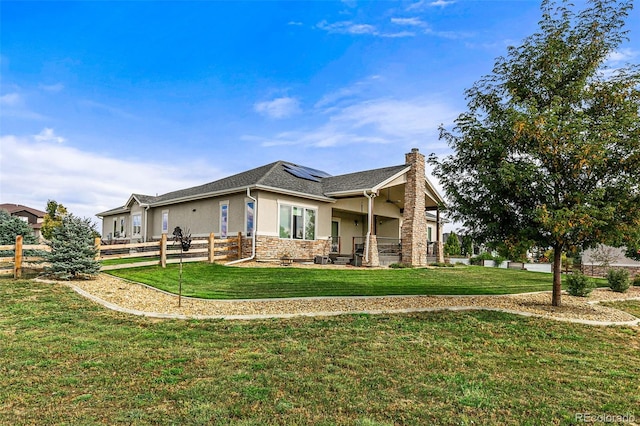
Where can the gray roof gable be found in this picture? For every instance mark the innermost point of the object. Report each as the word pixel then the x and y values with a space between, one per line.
pixel 359 181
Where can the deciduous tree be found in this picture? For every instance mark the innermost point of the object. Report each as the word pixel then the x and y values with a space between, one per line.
pixel 53 218
pixel 549 150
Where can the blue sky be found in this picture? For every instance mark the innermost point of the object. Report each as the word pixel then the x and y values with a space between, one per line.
pixel 102 99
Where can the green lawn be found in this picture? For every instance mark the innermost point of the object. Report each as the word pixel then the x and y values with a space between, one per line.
pixel 65 360
pixel 222 282
pixel 631 306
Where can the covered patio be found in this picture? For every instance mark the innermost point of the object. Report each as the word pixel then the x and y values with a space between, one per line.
pixel 389 222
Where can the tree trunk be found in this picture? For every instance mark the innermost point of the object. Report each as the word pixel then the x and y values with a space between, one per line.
pixel 557 276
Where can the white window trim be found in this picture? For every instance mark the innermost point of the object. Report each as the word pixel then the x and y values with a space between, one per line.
pixel 162 230
pixel 223 203
pixel 122 226
pixel 133 229
pixel 246 216
pixel 297 204
pixel 304 207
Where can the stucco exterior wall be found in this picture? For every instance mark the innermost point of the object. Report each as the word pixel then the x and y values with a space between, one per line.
pixel 388 228
pixel 348 229
pixel 201 217
pixel 268 213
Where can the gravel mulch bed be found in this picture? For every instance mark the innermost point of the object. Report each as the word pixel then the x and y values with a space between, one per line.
pixel 142 300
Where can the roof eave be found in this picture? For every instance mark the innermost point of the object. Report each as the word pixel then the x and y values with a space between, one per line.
pixel 113 211
pixel 296 193
pixel 348 193
pixel 200 196
pixel 433 193
pixel 385 182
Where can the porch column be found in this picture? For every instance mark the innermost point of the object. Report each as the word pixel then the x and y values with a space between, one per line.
pixel 374 258
pixel 414 225
pixel 439 246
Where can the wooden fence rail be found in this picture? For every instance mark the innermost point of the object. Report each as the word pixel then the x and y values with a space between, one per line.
pixel 161 253
pixel 16 263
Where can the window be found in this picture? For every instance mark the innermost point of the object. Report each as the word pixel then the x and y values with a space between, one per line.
pixel 115 228
pixel 224 219
pixel 24 219
pixel 122 233
pixel 429 234
pixel 310 224
pixel 249 221
pixel 137 224
pixel 165 221
pixel 285 221
pixel 297 222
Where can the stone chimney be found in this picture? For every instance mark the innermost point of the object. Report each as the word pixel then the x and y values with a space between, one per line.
pixel 414 225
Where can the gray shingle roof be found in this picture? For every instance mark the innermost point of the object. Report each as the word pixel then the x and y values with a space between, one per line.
pixel 272 175
pixel 275 176
pixel 359 181
pixel 144 199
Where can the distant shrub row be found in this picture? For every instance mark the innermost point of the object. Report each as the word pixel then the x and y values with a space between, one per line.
pixel 618 280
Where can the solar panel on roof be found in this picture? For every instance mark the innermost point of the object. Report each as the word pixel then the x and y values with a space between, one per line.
pixel 316 172
pixel 305 172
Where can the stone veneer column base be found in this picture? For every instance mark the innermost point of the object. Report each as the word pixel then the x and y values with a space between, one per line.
pixel 374 259
pixel 439 252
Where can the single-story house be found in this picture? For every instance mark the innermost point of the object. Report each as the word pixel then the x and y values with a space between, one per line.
pixel 33 217
pixel 287 209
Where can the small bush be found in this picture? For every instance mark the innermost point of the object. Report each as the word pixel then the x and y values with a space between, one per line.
pixel 618 280
pixel 498 260
pixel 477 260
pixel 636 281
pixel 579 285
pixel 442 265
pixel 400 265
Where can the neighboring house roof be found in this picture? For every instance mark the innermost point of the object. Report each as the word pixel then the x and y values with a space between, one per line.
pixel 16 208
pixel 275 177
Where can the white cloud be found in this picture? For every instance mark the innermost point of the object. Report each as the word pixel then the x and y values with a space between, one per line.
pixel 622 55
pixel 399 34
pixel 15 106
pixel 53 88
pixel 347 27
pixel 423 4
pixel 11 99
pixel 295 23
pixel 412 22
pixel 47 135
pixel 377 121
pixel 397 118
pixel 441 3
pixel 453 35
pixel 278 108
pixel 345 93
pixel 118 112
pixel 33 171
